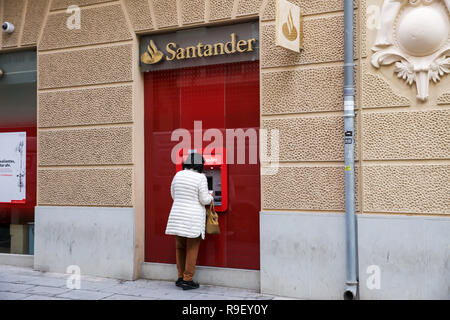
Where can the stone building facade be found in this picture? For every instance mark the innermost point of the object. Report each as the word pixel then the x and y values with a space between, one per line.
pixel 91 150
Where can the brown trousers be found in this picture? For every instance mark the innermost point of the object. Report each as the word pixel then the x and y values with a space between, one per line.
pixel 186 253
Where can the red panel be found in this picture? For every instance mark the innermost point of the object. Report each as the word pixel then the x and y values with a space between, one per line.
pixel 244 201
pixel 203 97
pixel 162 93
pixel 222 96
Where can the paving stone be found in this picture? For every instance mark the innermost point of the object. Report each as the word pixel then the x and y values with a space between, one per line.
pixel 46 291
pixel 164 293
pixel 84 295
pixel 284 298
pixel 38 297
pixel 34 285
pixel 204 296
pixel 234 292
pixel 148 284
pixel 258 297
pixel 16 278
pixel 97 285
pixel 13 287
pixel 12 296
pixel 49 282
pixel 127 297
pixel 55 275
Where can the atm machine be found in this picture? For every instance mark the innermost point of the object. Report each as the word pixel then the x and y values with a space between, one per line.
pixel 215 170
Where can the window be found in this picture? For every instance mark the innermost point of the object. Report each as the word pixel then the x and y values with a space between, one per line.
pixel 18 161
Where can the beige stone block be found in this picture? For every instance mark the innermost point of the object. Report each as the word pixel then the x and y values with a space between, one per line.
pixel 104 24
pixel 85 187
pixel 63 4
pixel 165 13
pixel 308 7
pixel 323 42
pixel 305 188
pixel 220 9
pixel 363 29
pixel 406 135
pixel 19 238
pixel 249 7
pixel 86 146
pixel 192 11
pixel 377 92
pixel 12 12
pixel 34 18
pixel 310 138
pixel 307 90
pixel 86 106
pixel 86 66
pixel 407 189
pixel 444 98
pixel 139 13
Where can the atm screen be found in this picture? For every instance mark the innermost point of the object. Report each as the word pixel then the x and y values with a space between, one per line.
pixel 210 183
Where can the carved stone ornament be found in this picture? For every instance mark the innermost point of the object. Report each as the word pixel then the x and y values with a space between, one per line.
pixel 414 34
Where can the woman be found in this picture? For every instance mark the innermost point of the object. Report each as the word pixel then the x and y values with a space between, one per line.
pixel 187 217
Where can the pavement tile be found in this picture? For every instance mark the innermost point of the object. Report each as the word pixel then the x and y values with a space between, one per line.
pixel 285 298
pixel 226 291
pixel 12 296
pixel 128 290
pixel 84 295
pixel 258 297
pixel 46 291
pixel 127 297
pixel 49 282
pixel 176 293
pixel 204 296
pixel 38 297
pixel 13 287
pixel 34 285
pixel 16 278
pixel 97 285
pixel 148 284
pixel 55 275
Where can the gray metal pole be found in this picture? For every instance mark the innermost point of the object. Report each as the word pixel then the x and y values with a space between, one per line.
pixel 351 291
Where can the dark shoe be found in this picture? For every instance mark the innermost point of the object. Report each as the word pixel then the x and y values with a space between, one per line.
pixel 178 282
pixel 189 285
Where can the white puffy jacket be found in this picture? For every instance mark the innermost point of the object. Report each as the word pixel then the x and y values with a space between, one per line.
pixel 189 192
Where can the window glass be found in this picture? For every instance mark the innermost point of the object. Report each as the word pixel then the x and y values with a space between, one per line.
pixel 18 95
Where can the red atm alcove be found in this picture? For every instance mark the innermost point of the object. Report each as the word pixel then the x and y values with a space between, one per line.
pixel 222 97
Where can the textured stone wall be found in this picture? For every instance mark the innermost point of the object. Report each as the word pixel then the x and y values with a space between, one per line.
pixel 302 97
pixel 405 143
pixel 90 99
pixel 86 84
pixel 89 88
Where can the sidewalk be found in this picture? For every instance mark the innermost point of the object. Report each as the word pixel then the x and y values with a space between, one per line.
pixel 26 284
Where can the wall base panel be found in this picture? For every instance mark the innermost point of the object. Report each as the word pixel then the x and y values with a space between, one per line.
pixel 17 260
pixel 412 253
pixel 303 255
pixel 98 240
